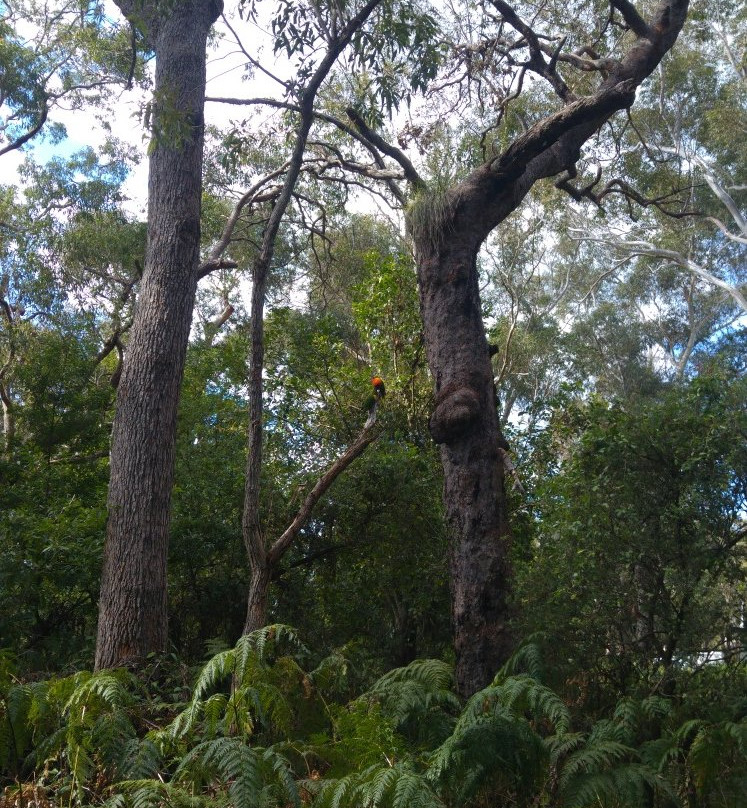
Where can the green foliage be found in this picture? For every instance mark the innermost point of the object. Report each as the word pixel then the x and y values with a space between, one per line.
pixel 637 536
pixel 90 739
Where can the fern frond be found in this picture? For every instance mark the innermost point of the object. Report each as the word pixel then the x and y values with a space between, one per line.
pixel 15 725
pixel 110 736
pixel 738 733
pixel 433 674
pixel 153 794
pixel 142 759
pixel 487 747
pixel 214 672
pixel 336 793
pixel 109 687
pixel 527 659
pixel 559 746
pixel 283 774
pixel 413 791
pixel 596 756
pixel 248 774
pixel 330 675
pixel 273 638
pixel 418 691
pixel 629 785
pixel 214 711
pixel 607 730
pixel 524 693
pixel 689 730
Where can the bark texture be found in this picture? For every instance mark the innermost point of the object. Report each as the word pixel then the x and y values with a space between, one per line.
pixel 448 230
pixel 132 607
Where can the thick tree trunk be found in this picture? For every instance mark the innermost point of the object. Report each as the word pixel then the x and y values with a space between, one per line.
pixel 132 607
pixel 465 424
pixel 448 230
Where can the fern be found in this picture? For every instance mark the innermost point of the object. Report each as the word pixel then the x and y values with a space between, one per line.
pixel 246 773
pixel 418 699
pixel 331 675
pixel 594 757
pixel 152 794
pixel 486 748
pixel 528 658
pixel 628 785
pixel 141 759
pixel 393 786
pixel 258 683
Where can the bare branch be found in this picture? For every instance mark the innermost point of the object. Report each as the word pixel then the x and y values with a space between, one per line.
pixel 640 247
pixel 537 61
pixel 366 437
pixel 19 141
pixel 632 18
pixel 411 173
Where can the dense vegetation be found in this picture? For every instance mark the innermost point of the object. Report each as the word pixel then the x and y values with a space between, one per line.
pixel 615 313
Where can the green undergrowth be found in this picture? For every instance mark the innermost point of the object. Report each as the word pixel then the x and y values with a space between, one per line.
pixel 261 727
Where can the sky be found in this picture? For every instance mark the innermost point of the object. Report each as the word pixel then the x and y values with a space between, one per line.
pixel 224 78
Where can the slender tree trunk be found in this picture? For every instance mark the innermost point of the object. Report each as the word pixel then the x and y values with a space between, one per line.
pixel 9 421
pixel 132 607
pixel 261 561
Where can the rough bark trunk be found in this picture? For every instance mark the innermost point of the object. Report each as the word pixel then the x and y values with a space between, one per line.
pixel 465 423
pixel 448 230
pixel 132 607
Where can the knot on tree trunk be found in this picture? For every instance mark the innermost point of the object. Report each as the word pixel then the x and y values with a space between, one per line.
pixel 457 408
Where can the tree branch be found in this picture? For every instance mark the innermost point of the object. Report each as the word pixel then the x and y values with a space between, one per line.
pixel 632 18
pixel 366 437
pixel 411 173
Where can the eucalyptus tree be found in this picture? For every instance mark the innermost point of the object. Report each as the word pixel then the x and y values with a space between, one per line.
pixel 619 49
pixel 132 608
pixel 56 55
pixel 679 251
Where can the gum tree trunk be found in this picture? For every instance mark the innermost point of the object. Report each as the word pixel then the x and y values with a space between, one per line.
pixel 132 607
pixel 448 230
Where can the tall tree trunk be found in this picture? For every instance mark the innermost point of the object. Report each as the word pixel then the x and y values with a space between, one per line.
pixel 132 607
pixel 261 560
pixel 448 230
pixel 465 423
